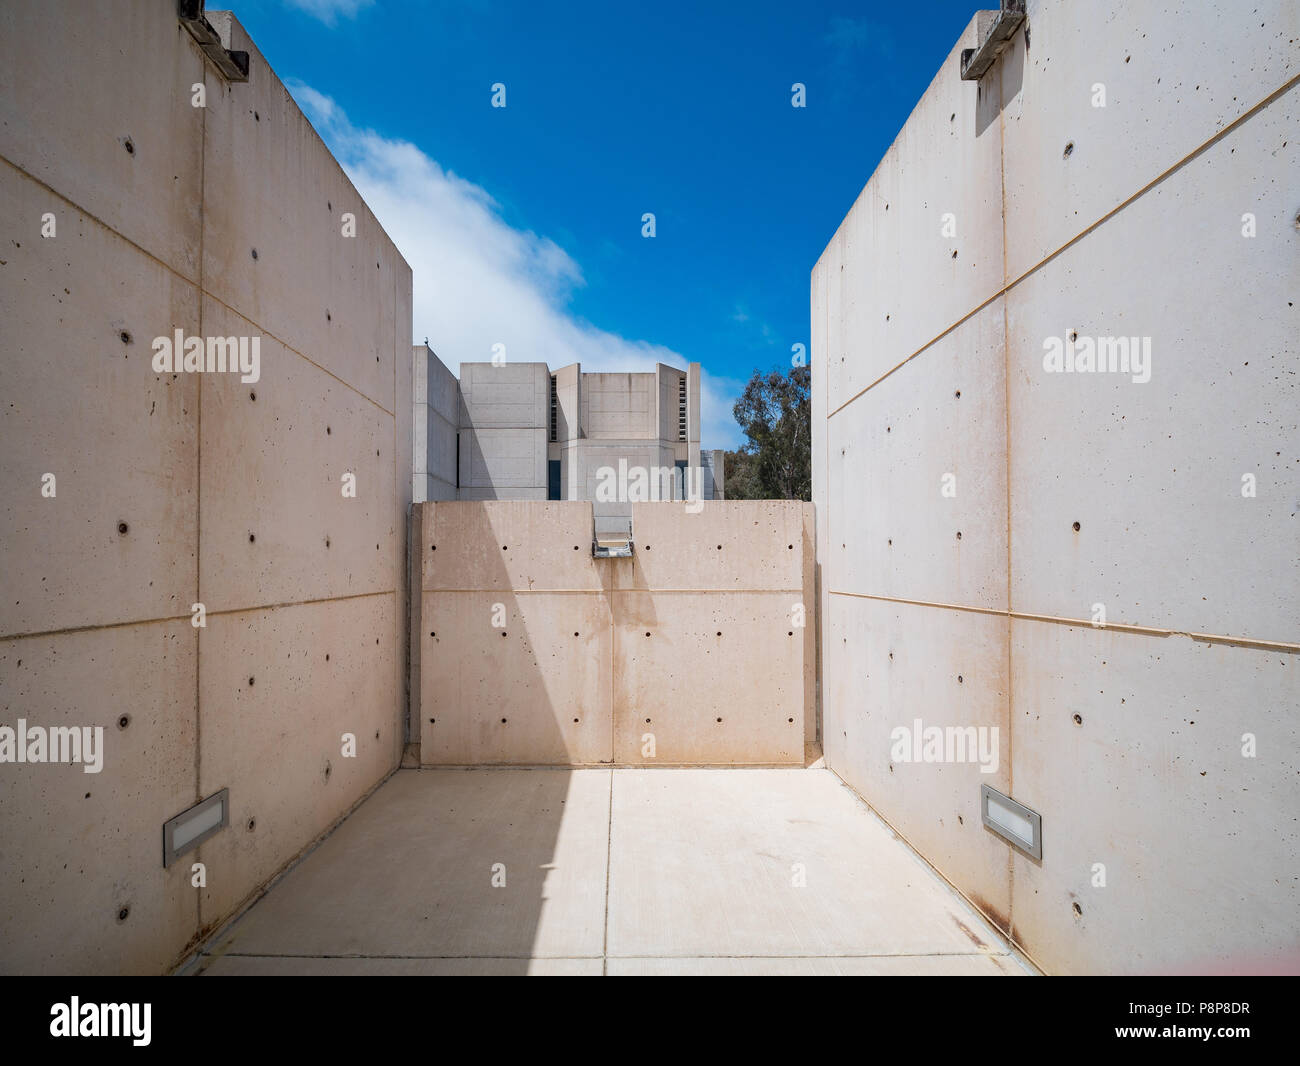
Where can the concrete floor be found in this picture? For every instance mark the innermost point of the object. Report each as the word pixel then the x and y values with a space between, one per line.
pixel 688 871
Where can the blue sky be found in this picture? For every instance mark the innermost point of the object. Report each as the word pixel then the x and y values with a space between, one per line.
pixel 523 224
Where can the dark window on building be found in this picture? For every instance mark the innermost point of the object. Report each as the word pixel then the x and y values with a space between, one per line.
pixel 555 408
pixel 681 409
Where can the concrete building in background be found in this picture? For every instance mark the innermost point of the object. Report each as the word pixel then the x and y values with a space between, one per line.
pixel 522 432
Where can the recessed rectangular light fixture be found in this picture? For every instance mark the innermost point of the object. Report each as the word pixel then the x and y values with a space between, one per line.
pixel 1012 821
pixel 191 828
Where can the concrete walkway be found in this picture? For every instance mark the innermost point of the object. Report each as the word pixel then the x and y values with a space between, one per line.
pixel 502 871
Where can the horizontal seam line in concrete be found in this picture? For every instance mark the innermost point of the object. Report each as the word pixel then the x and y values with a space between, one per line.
pixel 595 958
pixel 313 955
pixel 198 285
pixel 187 616
pixel 568 766
pixel 1008 286
pixel 608 592
pixel 301 355
pixel 1125 627
pixel 973 953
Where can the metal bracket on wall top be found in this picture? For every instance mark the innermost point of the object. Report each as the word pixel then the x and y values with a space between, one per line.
pixel 995 29
pixel 232 65
pixel 612 538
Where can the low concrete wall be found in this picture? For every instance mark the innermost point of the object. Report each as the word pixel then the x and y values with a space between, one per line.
pixel 974 508
pixel 699 649
pixel 175 489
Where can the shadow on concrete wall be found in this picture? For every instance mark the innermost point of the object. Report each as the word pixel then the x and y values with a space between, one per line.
pixel 1000 84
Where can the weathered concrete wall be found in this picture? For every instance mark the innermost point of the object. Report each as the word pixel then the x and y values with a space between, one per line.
pixel 533 652
pixel 437 409
pixel 174 489
pixel 1005 214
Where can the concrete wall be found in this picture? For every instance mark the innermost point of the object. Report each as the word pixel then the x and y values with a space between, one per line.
pixel 533 652
pixel 617 406
pixel 437 408
pixel 1077 489
pixel 181 488
pixel 505 423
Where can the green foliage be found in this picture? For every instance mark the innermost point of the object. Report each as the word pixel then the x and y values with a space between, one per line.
pixel 776 464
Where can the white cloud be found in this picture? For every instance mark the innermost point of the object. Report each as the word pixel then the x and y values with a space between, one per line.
pixel 328 11
pixel 478 281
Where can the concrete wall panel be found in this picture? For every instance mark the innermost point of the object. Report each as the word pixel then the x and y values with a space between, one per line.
pixel 1153 472
pixel 273 470
pixel 1198 841
pixel 713 677
pixel 493 460
pixel 131 157
pixel 620 405
pixel 510 395
pixel 511 544
pixel 326 296
pixel 1174 75
pixel 81 863
pixel 434 428
pixel 946 161
pixel 888 665
pixel 535 689
pixel 274 711
pixel 894 518
pixel 762 546
pixel 85 406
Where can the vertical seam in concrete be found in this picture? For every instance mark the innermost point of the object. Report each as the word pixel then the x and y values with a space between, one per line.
pixel 1006 451
pixel 198 490
pixel 609 849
